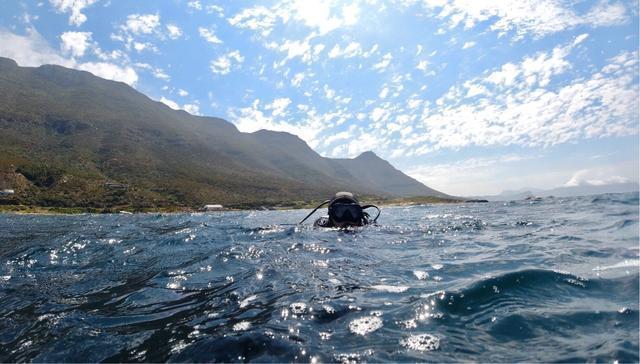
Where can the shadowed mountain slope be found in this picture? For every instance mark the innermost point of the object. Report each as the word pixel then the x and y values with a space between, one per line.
pixel 70 138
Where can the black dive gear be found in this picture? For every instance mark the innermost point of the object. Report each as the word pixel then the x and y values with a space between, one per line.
pixel 344 211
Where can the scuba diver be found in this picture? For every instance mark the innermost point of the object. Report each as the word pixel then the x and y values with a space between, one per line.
pixel 344 211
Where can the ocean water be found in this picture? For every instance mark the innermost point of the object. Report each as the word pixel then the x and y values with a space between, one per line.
pixel 550 280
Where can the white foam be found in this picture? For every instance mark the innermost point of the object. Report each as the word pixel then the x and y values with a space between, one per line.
pixel 173 285
pixel 320 263
pixel 422 342
pixel 365 325
pixel 298 308
pixel 328 309
pixel 242 326
pixel 438 294
pixel 389 288
pixel 245 302
pixel 627 263
pixel 420 274
pixel 408 324
pixel 179 346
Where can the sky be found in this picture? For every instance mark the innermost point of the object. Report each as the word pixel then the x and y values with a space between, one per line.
pixel 469 97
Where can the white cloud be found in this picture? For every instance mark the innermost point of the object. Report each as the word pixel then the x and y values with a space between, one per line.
pixel 514 105
pixel 351 50
pixel 474 90
pixel 310 13
pixel 423 65
pixel 384 63
pixel 195 4
pixel 215 9
pixel 493 175
pixel 142 23
pixel 297 79
pixel 224 64
pixel 75 43
pixel 471 176
pixel 539 70
pixel 279 106
pixel 329 93
pixel 182 93
pixel 32 50
pixel 209 35
pixel 320 16
pixel 74 7
pixel 172 104
pixel 259 116
pixel 110 71
pixel 109 56
pixel 160 74
pixel 379 114
pixel 297 49
pixel 537 18
pixel 258 18
pixel 142 46
pixel 323 15
pixel 362 143
pixel 468 45
pixel 579 39
pixel 138 29
pixel 506 75
pixel 174 31
pixel 211 8
pixel 193 109
pixel 343 135
pixel 595 177
pixel 155 72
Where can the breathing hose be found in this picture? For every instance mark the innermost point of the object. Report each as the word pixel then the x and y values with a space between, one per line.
pixel 316 209
pixel 374 206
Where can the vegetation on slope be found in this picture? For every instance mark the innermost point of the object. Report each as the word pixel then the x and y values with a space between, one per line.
pixel 73 140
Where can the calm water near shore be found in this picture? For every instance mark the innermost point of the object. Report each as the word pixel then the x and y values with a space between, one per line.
pixel 551 280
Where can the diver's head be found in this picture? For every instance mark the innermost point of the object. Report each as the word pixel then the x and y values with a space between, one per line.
pixel 345 210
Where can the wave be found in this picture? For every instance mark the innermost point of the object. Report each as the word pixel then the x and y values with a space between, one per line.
pixel 244 286
pixel 628 263
pixel 514 310
pixel 534 287
pixel 629 198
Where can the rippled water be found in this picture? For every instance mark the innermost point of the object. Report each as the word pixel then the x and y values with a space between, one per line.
pixel 554 280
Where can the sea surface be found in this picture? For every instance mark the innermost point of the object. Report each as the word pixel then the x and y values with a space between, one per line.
pixel 551 280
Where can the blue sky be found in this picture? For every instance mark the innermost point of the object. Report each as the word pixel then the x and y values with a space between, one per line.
pixel 469 97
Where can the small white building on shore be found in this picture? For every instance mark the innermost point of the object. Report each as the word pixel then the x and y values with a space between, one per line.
pixel 7 192
pixel 213 207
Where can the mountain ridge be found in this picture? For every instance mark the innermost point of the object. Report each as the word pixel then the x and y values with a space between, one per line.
pixel 69 133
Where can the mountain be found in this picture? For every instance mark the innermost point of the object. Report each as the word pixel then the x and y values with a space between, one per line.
pixel 565 191
pixel 376 174
pixel 70 138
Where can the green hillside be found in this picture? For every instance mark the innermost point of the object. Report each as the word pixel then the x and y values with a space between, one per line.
pixel 71 139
